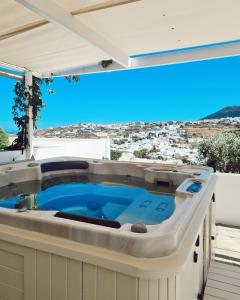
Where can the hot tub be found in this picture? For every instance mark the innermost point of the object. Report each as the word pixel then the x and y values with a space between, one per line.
pixel 142 210
pixel 95 229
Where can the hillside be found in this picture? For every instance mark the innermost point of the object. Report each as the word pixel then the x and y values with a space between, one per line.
pixel 226 112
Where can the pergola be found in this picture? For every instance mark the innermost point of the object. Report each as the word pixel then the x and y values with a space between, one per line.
pixel 65 37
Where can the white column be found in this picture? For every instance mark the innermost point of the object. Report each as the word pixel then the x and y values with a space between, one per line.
pixel 29 149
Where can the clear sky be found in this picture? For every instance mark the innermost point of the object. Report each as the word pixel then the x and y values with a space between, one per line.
pixel 178 92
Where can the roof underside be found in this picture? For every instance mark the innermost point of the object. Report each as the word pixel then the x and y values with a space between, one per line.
pixel 140 27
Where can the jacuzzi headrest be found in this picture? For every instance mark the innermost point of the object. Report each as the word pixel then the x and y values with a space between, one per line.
pixel 64 165
pixel 91 220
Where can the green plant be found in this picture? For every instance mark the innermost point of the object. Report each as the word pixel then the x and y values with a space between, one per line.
pixel 120 142
pixel 19 115
pixel 3 140
pixel 187 161
pixel 72 78
pixel 31 95
pixel 115 154
pixel 153 150
pixel 143 153
pixel 24 96
pixel 222 152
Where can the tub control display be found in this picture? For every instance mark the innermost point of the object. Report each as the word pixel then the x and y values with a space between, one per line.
pixel 194 187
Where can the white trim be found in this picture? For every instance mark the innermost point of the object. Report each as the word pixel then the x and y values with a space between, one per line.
pixel 56 14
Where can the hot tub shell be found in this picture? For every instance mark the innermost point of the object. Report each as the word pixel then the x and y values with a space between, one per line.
pixel 163 260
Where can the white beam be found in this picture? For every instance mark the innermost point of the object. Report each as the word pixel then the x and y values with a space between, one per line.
pixel 28 84
pixel 154 60
pixel 188 55
pixel 11 67
pixel 54 13
pixel 10 75
pixel 87 69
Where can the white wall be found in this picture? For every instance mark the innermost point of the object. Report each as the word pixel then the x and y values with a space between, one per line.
pixel 9 156
pixel 228 199
pixel 90 148
pixel 48 148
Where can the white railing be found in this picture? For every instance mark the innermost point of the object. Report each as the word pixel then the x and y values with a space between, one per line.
pixel 228 199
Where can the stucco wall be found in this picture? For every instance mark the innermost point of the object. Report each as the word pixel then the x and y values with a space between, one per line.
pixel 48 148
pixel 228 199
pixel 91 148
pixel 9 156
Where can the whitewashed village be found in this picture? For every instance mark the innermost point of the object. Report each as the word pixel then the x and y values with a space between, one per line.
pixel 172 141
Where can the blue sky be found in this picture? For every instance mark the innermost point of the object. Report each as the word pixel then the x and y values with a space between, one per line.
pixel 176 92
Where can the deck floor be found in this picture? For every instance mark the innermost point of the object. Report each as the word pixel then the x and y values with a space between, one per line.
pixel 228 245
pixel 224 275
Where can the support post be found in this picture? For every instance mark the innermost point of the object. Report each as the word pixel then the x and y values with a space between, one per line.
pixel 29 149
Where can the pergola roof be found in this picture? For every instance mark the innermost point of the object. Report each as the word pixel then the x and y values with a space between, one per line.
pixel 63 37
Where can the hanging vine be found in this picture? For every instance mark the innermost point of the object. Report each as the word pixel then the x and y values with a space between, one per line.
pixel 35 99
pixel 31 96
pixel 19 116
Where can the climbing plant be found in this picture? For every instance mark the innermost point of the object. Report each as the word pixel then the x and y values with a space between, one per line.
pixel 72 78
pixel 32 96
pixel 19 116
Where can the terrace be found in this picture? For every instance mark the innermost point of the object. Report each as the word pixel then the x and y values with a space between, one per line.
pixel 41 259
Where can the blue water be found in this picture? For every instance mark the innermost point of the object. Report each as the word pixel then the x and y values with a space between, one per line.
pixel 120 203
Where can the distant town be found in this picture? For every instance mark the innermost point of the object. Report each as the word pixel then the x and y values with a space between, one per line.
pixel 172 141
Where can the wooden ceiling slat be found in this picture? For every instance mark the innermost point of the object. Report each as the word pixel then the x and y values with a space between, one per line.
pixel 88 9
pixel 103 5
